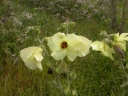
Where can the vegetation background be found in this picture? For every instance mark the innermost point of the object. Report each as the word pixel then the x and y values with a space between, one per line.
pixel 96 74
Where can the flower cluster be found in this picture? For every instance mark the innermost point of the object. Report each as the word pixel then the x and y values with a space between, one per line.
pixel 103 48
pixel 120 40
pixel 64 45
pixel 70 46
pixel 61 45
pixel 118 44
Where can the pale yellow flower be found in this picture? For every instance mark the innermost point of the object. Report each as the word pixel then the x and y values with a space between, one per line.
pixel 69 45
pixel 120 40
pixel 83 46
pixel 32 56
pixel 103 49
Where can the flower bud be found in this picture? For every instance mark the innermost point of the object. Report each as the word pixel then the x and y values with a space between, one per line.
pixel 66 90
pixel 103 33
pixel 119 51
pixel 74 92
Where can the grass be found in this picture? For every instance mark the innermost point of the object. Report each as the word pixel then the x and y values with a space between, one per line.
pixel 96 75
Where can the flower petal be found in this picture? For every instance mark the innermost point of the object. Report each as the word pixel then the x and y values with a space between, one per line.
pixel 83 46
pixel 31 63
pixel 124 35
pixel 39 66
pixel 103 48
pixel 110 51
pixel 52 45
pixel 38 56
pixel 122 44
pixel 72 39
pixel 58 38
pixel 59 55
pixel 27 52
pixel 107 51
pixel 96 45
pixel 71 53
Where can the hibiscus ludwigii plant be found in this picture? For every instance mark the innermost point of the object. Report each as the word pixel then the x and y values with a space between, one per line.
pixel 69 45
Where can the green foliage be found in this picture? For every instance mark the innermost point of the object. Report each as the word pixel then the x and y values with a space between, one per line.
pixel 95 75
pixel 61 8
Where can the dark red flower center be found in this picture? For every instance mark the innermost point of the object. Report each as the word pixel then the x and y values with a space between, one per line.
pixel 64 45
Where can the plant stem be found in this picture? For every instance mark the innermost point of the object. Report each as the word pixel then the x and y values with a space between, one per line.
pixel 41 42
pixel 68 78
pixel 125 73
pixel 67 26
pixel 59 84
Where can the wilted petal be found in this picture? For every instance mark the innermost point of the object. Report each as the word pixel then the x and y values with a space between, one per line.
pixel 107 51
pixel 103 48
pixel 103 52
pixel 110 51
pixel 96 45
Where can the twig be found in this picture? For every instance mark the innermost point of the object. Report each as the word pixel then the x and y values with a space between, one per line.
pixel 113 5
pixel 123 15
